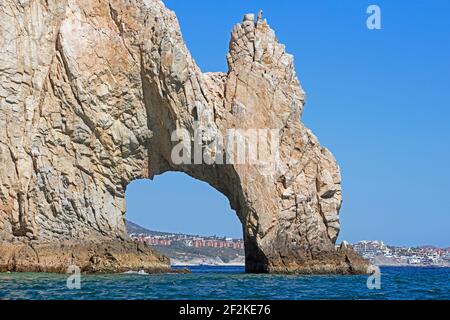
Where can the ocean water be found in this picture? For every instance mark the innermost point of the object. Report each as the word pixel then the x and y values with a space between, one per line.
pixel 230 283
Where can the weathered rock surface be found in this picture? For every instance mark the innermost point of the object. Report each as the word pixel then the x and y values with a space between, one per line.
pixel 106 256
pixel 90 94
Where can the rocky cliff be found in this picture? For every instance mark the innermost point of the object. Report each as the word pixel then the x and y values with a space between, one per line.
pixel 91 93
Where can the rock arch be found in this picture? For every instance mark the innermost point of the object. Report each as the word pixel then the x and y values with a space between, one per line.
pixel 91 93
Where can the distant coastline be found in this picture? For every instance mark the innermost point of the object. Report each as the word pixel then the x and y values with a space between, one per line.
pixel 380 254
pixel 195 250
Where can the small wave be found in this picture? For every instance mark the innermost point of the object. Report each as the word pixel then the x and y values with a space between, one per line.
pixel 140 272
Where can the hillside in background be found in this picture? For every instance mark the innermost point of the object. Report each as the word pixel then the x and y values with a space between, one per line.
pixel 133 228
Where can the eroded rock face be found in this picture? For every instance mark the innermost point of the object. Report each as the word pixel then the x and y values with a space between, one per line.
pixel 107 256
pixel 90 94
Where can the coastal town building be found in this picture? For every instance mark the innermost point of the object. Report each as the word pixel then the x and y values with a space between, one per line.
pixel 189 241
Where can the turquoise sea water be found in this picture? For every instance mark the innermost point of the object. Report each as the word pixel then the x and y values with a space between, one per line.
pixel 227 283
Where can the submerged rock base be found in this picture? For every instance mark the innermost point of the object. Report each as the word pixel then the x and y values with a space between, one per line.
pixel 117 256
pixel 344 262
pixel 109 256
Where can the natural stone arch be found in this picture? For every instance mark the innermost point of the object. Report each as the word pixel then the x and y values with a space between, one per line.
pixel 97 107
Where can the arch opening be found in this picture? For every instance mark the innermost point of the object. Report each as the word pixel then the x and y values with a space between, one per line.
pixel 185 219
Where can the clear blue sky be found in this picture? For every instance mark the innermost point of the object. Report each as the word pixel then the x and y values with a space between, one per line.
pixel 379 100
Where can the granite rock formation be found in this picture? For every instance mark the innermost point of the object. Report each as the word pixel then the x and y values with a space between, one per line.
pixel 107 256
pixel 90 94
